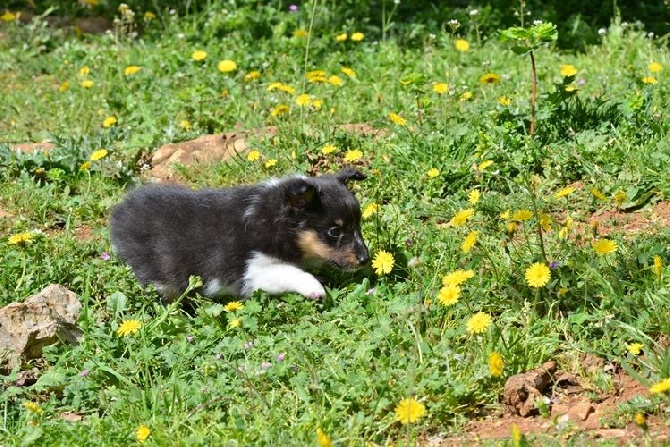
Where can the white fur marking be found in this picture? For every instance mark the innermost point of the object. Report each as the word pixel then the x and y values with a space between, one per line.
pixel 215 288
pixel 276 277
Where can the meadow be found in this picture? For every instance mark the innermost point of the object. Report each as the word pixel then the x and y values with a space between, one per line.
pixel 498 219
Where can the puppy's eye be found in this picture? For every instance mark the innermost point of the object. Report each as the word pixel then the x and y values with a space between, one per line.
pixel 334 231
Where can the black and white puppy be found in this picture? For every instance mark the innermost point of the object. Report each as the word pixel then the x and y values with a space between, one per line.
pixel 243 238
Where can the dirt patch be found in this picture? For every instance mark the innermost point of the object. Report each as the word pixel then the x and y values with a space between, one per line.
pixel 29 148
pixel 84 233
pixel 89 25
pixel 632 223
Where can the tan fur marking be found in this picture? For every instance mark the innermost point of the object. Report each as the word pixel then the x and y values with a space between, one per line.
pixel 314 249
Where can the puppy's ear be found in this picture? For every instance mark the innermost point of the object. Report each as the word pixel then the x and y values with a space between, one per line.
pixel 349 174
pixel 300 194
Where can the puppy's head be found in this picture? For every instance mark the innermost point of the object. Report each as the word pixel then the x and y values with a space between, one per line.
pixel 329 219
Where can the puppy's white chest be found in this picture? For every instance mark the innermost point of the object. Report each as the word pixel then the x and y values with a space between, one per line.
pixel 276 277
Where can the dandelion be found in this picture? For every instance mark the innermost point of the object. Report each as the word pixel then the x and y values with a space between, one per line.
pixel 564 192
pixel 640 420
pixel 21 239
pixel 142 433
pixel 199 55
pixel 99 154
pixel 504 215
pixel 185 124
pixel 328 149
pixel 254 155
pixel 568 70
pixel 131 70
pixel 383 262
pixel 348 71
pixel 660 387
pixel 235 323
pixel 84 71
pixel 457 277
pixel 461 217
pixel 227 66
pixel 85 166
pixel 620 197
pixel 357 37
pixel 303 100
pixel 658 266
pixel 478 323
pixel 32 407
pixel 489 78
pixel 353 155
pixel 449 294
pixel 128 327
pixel 281 87
pixel 469 241
pixel 317 103
pixel 109 121
pixel 605 246
pixel 397 119
pixel 485 164
pixel 465 96
pixel 299 33
pixel 504 101
pixel 233 306
pixel 149 16
pixel 323 439
pixel 538 275
pixel 341 37
pixel 649 80
pixel 545 221
pixel 474 196
pixel 441 88
pixel 597 194
pixel 409 410
pixel 522 215
pixel 634 348
pixel 433 172
pixel 64 87
pixel 8 16
pixel 281 109
pixel 496 364
pixel 87 83
pixel 517 437
pixel 461 45
pixel 655 67
pixel 370 209
pixel 252 76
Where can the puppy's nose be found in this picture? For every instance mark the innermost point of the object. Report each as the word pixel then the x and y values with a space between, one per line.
pixel 363 257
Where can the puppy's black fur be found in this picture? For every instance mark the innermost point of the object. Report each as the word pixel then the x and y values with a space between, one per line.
pixel 243 238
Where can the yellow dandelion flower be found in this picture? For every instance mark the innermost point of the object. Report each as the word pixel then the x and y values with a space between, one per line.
pixel 658 266
pixel 227 66
pixel 281 87
pixel 441 88
pixel 98 155
pixel 235 323
pixel 64 87
pixel 564 192
pixel 185 124
pixel 20 239
pixel 85 166
pixel 335 80
pixel 485 164
pixel 370 209
pixel 328 149
pixel 457 277
pixel 465 96
pixel 538 275
pixel 597 194
pixel 449 294
pixel 149 16
pixel 348 71
pixel 357 37
pixel 300 33
pixel 504 215
pixel 383 262
pixel 563 232
pixel 281 109
pixel 545 221
pixel 252 76
pixel 474 196
pixel 233 306
pixel 478 323
pixel 655 67
pixel 254 155
pixel 660 387
pixel 128 327
pixel 489 78
pixel 131 70
pixel 341 37
pixel 568 70
pixel 8 16
pixel 649 80
pixel 634 348
pixel 522 215
pixel 270 163
pixel 605 246
pixel 496 364
pixel 511 227
pixel 32 407
pixel 353 155
pixel 87 83
pixel 469 241
pixel 640 420
pixel 142 433
pixel 316 76
pixel 462 45
pixel 84 71
pixel 109 121
pixel 199 55
pixel 504 101
pixel 303 100
pixel 461 217
pixel 323 439
pixel 409 410
pixel 397 119
pixel 317 103
pixel 433 172
pixel 620 197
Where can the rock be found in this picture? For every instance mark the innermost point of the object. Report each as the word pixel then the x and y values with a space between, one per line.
pixel 580 412
pixel 42 320
pixel 521 390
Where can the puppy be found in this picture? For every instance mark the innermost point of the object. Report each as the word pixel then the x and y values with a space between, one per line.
pixel 241 239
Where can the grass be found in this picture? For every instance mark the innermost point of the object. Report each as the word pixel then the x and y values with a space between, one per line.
pixel 279 369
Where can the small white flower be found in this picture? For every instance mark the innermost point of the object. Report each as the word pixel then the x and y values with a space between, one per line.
pixel 537 22
pixel 474 12
pixel 602 31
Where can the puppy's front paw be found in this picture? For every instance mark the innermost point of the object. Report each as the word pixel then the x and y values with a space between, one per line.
pixel 311 288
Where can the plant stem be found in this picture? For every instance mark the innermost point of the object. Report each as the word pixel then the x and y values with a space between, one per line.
pixel 533 98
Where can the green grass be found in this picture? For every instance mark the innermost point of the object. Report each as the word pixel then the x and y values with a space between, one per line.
pixel 294 366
